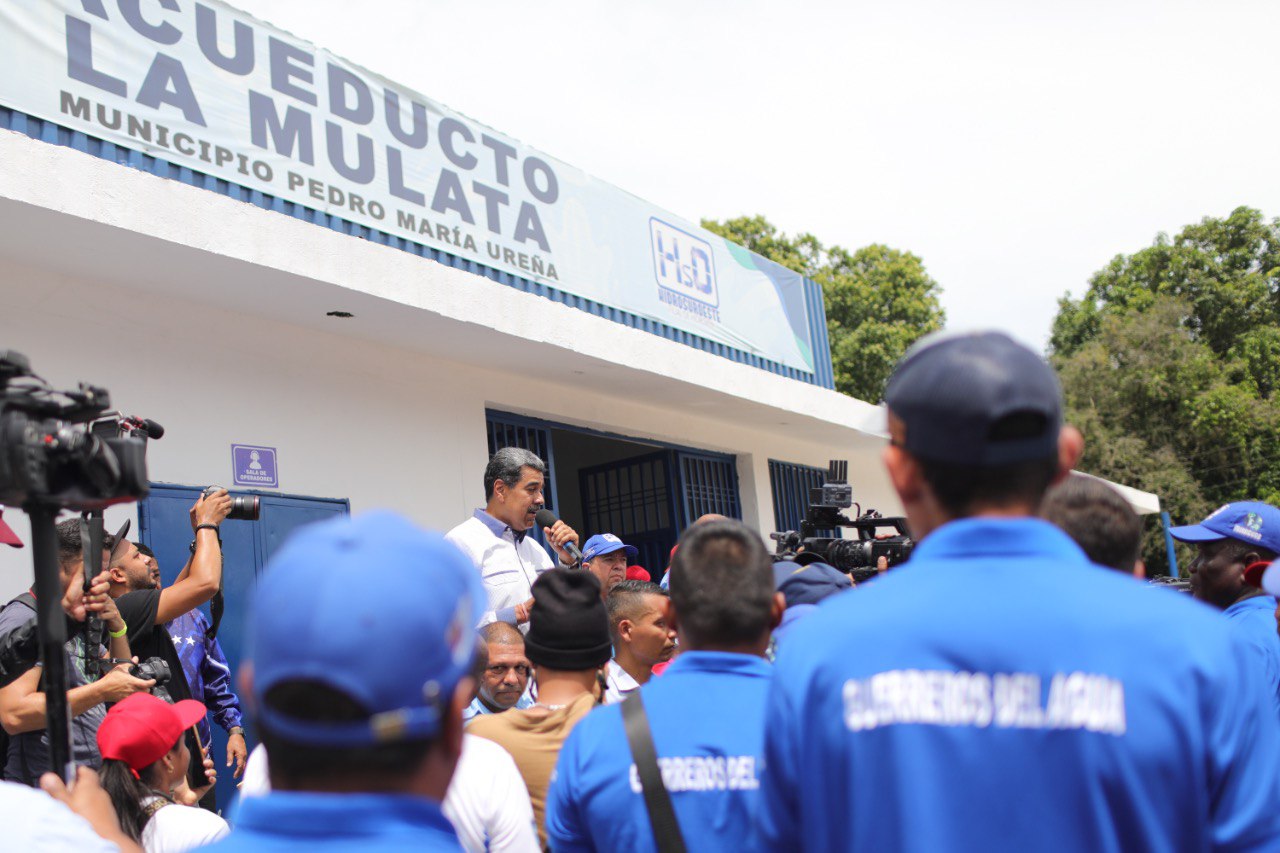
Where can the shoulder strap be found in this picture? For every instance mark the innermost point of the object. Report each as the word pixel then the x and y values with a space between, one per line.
pixel 150 809
pixel 657 800
pixel 26 599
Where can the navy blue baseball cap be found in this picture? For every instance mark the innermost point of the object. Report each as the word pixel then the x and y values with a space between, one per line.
pixel 605 543
pixel 976 398
pixel 374 608
pixel 808 584
pixel 1251 522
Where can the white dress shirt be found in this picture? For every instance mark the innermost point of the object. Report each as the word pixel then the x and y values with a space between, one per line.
pixel 620 684
pixel 508 563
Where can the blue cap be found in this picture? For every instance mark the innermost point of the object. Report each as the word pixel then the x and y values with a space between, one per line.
pixel 605 543
pixel 1251 522
pixel 808 584
pixel 956 392
pixel 375 608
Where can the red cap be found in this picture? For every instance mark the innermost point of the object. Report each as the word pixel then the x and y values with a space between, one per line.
pixel 141 729
pixel 7 536
pixel 637 573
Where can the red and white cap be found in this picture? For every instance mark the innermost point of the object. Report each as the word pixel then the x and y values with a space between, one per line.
pixel 7 536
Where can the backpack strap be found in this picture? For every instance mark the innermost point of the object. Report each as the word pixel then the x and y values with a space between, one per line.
pixel 27 599
pixel 657 799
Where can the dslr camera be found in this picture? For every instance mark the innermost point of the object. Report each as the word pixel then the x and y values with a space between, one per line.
pixel 243 507
pixel 855 557
pixel 158 669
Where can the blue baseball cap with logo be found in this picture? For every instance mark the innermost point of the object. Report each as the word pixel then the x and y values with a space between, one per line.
pixel 372 607
pixel 1251 522
pixel 605 543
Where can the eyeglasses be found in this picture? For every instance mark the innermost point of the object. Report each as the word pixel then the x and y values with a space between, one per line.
pixel 498 670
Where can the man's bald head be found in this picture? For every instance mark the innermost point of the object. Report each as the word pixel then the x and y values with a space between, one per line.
pixel 506 672
pixel 710 517
pixel 502 634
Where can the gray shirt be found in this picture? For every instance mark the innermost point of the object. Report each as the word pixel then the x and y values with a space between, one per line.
pixel 28 756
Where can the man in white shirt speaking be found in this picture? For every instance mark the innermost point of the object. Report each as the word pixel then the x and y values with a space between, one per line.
pixel 496 540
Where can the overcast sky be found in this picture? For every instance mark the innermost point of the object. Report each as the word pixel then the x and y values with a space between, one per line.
pixel 1014 146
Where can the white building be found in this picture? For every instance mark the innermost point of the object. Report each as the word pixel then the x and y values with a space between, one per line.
pixel 208 305
pixel 373 360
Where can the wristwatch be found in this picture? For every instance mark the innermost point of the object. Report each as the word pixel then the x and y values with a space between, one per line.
pixel 235 730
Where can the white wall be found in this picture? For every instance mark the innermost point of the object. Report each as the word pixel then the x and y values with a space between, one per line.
pixel 380 425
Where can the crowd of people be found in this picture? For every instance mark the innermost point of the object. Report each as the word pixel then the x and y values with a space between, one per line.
pixel 1013 686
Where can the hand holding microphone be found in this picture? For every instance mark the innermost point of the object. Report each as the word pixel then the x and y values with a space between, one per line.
pixel 561 536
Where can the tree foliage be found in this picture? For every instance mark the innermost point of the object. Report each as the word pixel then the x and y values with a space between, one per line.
pixel 878 300
pixel 1170 363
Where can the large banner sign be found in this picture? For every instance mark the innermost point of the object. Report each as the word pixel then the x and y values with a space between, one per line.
pixel 206 86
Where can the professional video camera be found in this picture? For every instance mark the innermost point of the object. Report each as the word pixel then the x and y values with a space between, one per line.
pixel 857 557
pixel 62 450
pixel 49 453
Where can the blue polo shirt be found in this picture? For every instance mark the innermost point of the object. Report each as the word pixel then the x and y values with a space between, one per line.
pixel 1000 692
pixel 706 713
pixel 322 823
pixel 1253 622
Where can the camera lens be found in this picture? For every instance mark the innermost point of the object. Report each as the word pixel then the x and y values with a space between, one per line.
pixel 245 508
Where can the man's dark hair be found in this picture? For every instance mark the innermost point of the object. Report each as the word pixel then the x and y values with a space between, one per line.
pixel 1236 549
pixel 145 550
pixel 1098 518
pixel 303 767
pixel 624 600
pixel 722 584
pixel 506 465
pixel 68 534
pixel 962 489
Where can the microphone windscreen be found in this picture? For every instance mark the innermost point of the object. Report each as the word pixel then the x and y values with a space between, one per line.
pixel 546 518
pixel 154 430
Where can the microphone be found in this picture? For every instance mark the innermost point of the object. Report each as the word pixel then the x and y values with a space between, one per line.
pixel 146 425
pixel 547 518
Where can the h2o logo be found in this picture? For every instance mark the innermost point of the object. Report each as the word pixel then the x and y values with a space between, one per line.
pixel 682 263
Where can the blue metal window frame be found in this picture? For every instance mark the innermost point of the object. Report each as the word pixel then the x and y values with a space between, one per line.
pixel 790 483
pixel 675 471
pixel 56 134
pixel 708 483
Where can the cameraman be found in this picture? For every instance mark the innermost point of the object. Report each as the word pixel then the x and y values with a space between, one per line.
pixel 22 703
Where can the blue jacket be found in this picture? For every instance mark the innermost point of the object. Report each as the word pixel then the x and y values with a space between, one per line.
pixel 285 821
pixel 706 713
pixel 999 692
pixel 206 669
pixel 1253 622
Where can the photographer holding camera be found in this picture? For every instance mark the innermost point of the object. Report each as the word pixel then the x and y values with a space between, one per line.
pixel 147 609
pixel 22 702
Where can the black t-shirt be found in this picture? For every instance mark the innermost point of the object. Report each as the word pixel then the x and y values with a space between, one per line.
pixel 147 639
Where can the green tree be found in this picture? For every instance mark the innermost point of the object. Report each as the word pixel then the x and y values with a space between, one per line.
pixel 878 300
pixel 1170 363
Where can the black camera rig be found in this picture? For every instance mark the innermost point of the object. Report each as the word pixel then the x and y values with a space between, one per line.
pixel 62 450
pixel 857 557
